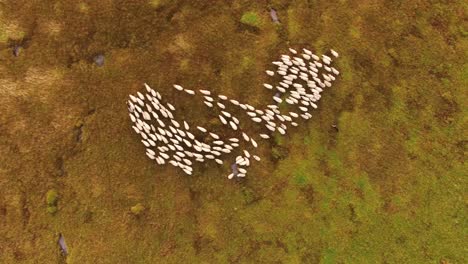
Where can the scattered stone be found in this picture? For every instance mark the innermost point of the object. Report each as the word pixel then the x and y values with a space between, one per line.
pixel 62 245
pixel 234 169
pixel 274 16
pixel 99 60
pixel 17 50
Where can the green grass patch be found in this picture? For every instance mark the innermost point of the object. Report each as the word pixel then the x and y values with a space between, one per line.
pixel 52 200
pixel 51 197
pixel 137 209
pixel 250 18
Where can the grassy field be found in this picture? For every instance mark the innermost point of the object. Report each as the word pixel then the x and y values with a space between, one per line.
pixel 388 186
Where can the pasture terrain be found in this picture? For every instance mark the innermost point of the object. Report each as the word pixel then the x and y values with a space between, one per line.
pixel 387 185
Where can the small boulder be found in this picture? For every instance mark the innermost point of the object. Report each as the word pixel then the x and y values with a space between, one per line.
pixel 99 60
pixel 274 16
pixel 17 50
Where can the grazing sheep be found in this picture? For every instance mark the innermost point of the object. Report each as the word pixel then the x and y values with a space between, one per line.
pixel 302 78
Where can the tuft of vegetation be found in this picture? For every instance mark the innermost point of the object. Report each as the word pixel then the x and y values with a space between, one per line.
pixel 83 7
pixel 51 197
pixel 51 200
pixel 52 209
pixel 250 18
pixel 137 209
pixel 276 153
pixel 157 3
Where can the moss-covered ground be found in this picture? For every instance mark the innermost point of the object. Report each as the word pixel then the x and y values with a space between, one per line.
pixel 387 185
